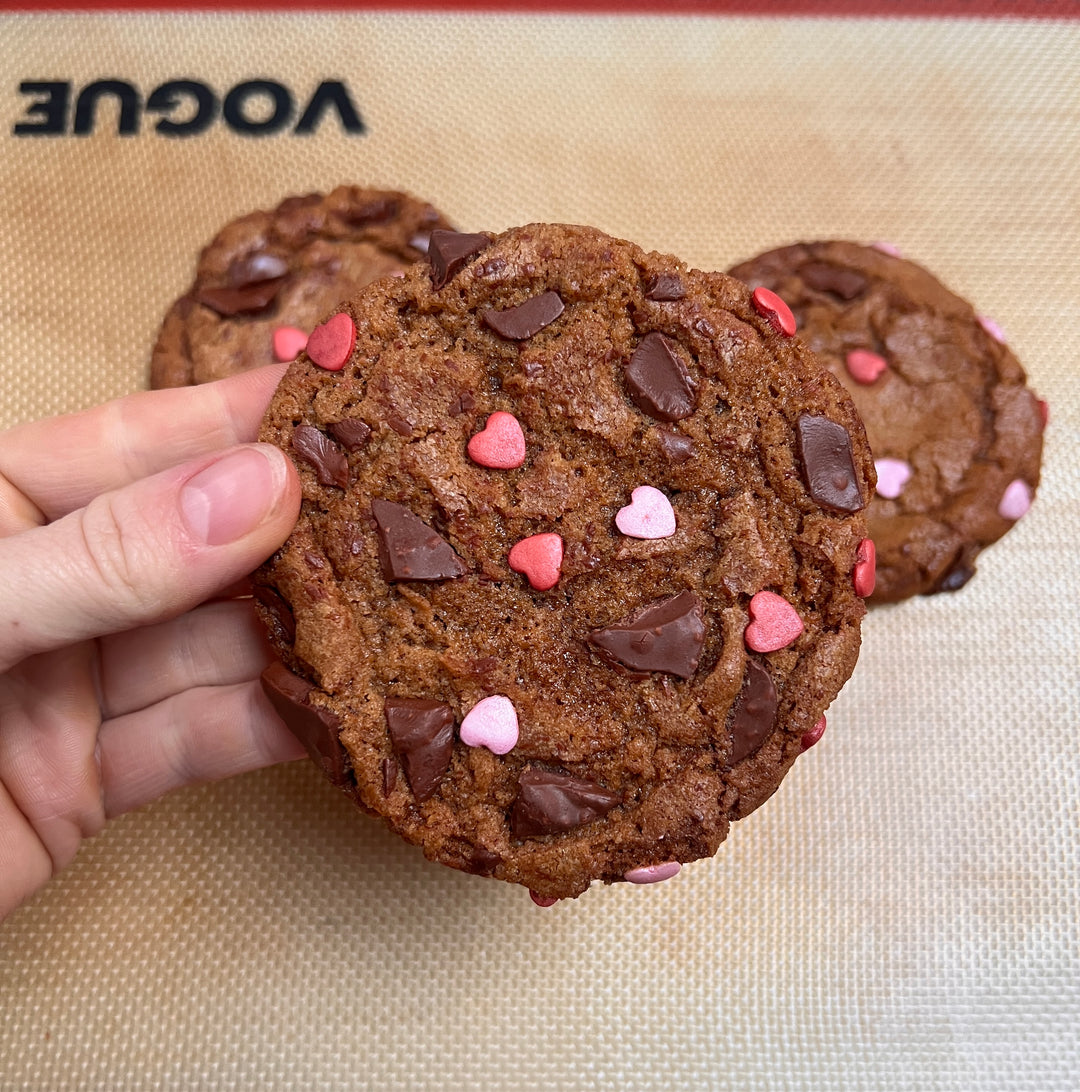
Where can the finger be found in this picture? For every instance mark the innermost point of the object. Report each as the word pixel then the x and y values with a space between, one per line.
pixel 144 553
pixel 25 864
pixel 213 645
pixel 61 463
pixel 200 735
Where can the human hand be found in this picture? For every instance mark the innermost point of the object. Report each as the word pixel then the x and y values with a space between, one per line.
pixel 128 666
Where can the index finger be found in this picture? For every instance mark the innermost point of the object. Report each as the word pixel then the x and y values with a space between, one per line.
pixel 61 463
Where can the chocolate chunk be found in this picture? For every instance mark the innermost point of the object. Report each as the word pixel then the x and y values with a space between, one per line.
pixel 827 464
pixel 483 861
pixel 377 211
pixel 755 712
pixel 240 299
pixel 409 549
pixel 678 449
pixel 666 636
pixel 665 288
pixel 389 775
pixel 464 403
pixel 956 577
pixel 658 381
pixel 351 433
pixel 320 452
pixel 551 803
pixel 256 268
pixel 845 283
pixel 422 736
pixel 450 251
pixel 283 622
pixel 528 318
pixel 315 727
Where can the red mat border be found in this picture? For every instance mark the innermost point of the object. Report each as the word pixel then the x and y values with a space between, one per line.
pixel 1026 9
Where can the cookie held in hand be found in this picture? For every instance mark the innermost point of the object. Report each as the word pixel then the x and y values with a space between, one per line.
pixel 532 655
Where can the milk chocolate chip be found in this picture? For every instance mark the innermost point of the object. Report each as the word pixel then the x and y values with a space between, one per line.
pixel 666 636
pixel 528 318
pixel 450 251
pixel 827 463
pixel 322 454
pixel 658 381
pixel 551 803
pixel 409 549
pixel 315 727
pixel 422 737
pixel 755 712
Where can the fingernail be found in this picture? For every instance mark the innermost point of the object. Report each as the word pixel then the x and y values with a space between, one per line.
pixel 230 498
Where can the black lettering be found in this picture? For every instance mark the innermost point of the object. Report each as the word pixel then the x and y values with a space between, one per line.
pixel 127 123
pixel 330 93
pixel 170 96
pixel 234 108
pixel 52 109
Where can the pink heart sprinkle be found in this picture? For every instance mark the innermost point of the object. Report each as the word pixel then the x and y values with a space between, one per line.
pixel 492 723
pixel 289 343
pixel 864 573
pixel 774 623
pixel 892 476
pixel 865 366
pixel 648 515
pixel 542 900
pixel 887 248
pixel 773 309
pixel 501 443
pixel 332 343
pixel 1016 500
pixel 653 873
pixel 1044 411
pixel 539 557
pixel 814 735
pixel 992 328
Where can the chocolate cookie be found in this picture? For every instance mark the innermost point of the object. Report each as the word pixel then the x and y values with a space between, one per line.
pixel 266 279
pixel 578 565
pixel 956 433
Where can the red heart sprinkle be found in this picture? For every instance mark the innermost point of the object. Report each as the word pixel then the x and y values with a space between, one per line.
pixel 501 443
pixel 772 308
pixel 332 343
pixel 814 735
pixel 539 557
pixel 542 900
pixel 774 623
pixel 864 366
pixel 864 573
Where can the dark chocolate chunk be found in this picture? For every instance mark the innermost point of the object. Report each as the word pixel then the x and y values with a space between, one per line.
pixel 551 803
pixel 755 712
pixel 658 381
pixel 377 211
pixel 665 288
pixel 322 454
pixel 956 577
pixel 450 251
pixel 351 433
pixel 315 727
pixel 409 549
pixel 483 861
pixel 389 775
pixel 666 636
pixel 464 403
pixel 678 449
pixel 527 319
pixel 827 464
pixel 422 737
pixel 240 299
pixel 845 283
pixel 282 620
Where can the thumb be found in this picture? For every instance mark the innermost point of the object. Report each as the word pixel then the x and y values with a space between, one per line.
pixel 146 552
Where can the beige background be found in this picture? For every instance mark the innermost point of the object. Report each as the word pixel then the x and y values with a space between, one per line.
pixel 903 914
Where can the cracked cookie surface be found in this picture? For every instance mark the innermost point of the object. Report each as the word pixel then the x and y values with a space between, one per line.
pixel 526 668
pixel 955 431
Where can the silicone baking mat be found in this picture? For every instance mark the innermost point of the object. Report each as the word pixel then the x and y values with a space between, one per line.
pixel 903 913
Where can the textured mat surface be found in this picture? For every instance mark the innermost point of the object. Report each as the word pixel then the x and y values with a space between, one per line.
pixel 903 913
